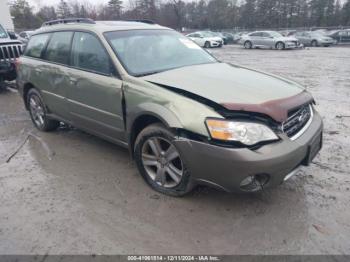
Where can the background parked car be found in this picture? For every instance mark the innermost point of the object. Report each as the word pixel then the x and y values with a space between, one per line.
pixel 229 37
pixel 219 34
pixel 313 38
pixel 205 39
pixel 25 35
pixel 341 36
pixel 269 39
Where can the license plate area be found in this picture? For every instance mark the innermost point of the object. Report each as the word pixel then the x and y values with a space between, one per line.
pixel 313 149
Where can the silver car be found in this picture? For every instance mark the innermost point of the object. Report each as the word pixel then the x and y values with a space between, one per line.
pixel 314 39
pixel 269 39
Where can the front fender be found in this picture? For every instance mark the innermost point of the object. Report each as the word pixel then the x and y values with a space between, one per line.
pixel 173 109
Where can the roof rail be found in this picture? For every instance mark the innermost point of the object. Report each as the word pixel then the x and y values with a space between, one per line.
pixel 146 21
pixel 69 20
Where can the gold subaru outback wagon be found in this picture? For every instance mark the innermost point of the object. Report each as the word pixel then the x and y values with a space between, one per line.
pixel 186 117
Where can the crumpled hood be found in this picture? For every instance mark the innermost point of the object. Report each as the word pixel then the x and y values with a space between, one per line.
pixel 236 88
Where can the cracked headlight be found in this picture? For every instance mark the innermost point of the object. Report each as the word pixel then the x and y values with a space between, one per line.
pixel 248 133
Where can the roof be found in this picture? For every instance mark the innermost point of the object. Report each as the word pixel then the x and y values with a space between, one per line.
pixel 99 26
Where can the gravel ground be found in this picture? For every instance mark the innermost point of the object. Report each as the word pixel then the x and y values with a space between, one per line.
pixel 68 192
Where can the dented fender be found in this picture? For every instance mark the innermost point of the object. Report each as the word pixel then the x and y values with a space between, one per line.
pixel 173 109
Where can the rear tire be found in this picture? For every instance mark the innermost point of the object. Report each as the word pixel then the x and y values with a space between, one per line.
pixel 248 45
pixel 38 112
pixel 160 162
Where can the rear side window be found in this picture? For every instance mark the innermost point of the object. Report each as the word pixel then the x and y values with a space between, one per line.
pixel 36 45
pixel 58 49
pixel 89 54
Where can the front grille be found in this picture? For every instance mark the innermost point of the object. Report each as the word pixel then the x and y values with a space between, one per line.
pixel 297 120
pixel 10 52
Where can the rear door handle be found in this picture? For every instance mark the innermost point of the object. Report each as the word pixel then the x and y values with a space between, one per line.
pixel 38 70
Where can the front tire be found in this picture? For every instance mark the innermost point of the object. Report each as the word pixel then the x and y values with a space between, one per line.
pixel 280 46
pixel 207 44
pixel 38 112
pixel 160 163
pixel 314 43
pixel 248 45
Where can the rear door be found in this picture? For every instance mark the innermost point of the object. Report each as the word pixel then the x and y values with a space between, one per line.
pixel 53 72
pixel 95 93
pixel 266 40
pixel 256 38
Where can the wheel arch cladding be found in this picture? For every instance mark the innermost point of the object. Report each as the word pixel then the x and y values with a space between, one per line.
pixel 153 114
pixel 26 88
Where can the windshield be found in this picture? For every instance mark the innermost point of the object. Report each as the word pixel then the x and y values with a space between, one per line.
pixel 145 52
pixel 275 34
pixel 3 33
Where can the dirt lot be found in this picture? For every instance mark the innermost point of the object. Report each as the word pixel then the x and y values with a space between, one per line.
pixel 71 193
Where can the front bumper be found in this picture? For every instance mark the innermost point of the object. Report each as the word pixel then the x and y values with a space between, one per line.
pixel 292 45
pixel 7 70
pixel 216 43
pixel 226 168
pixel 326 42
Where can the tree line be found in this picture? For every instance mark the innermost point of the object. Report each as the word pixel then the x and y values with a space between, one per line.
pixel 200 14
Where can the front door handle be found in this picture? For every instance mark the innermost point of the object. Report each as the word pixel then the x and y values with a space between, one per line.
pixel 73 80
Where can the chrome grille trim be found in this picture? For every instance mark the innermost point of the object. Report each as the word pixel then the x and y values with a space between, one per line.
pixel 304 128
pixel 9 53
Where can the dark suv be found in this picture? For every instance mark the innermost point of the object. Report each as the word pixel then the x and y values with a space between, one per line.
pixel 10 50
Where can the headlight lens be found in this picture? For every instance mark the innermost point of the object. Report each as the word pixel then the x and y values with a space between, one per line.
pixel 247 133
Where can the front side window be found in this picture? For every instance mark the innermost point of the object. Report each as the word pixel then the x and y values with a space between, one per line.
pixel 256 34
pixel 89 54
pixel 145 52
pixel 58 49
pixel 36 45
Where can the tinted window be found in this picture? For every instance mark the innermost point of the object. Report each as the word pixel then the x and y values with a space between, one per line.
pixel 36 45
pixel 89 54
pixel 255 34
pixel 265 34
pixel 58 49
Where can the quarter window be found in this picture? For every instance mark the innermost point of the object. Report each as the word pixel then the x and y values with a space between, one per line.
pixel 89 54
pixel 58 49
pixel 36 45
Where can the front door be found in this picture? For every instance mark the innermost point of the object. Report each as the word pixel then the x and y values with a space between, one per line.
pixel 95 93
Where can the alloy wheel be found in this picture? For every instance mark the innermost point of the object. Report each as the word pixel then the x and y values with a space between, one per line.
pixel 37 111
pixel 162 162
pixel 280 46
